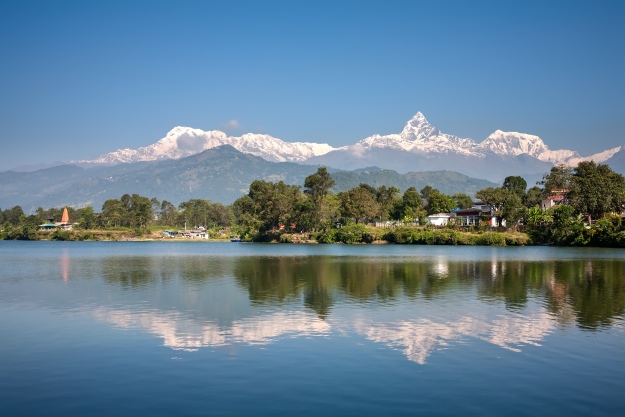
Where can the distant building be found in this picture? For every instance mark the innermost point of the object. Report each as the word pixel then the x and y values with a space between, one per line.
pixel 475 215
pixel 199 233
pixel 555 198
pixel 64 224
pixel 438 219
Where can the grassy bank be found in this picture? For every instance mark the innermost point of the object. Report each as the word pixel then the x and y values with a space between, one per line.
pixel 359 233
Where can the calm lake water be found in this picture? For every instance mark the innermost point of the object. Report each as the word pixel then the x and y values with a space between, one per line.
pixel 163 328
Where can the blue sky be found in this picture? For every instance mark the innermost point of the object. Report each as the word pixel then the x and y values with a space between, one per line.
pixel 79 79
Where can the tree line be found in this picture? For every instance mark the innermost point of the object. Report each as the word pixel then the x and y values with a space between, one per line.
pixel 592 194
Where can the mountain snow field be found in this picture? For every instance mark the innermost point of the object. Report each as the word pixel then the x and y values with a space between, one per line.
pixel 417 136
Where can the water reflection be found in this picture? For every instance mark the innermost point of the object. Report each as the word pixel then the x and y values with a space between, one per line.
pixel 436 303
pixel 415 305
pixel 64 265
pixel 181 333
pixel 417 339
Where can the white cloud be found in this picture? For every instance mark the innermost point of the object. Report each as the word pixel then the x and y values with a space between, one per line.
pixel 232 125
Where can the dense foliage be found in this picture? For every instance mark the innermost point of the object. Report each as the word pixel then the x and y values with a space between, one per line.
pixel 590 200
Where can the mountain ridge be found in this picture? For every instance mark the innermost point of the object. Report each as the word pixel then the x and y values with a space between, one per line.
pixel 219 174
pixel 418 137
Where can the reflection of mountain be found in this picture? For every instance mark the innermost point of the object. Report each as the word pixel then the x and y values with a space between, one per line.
pixel 415 303
pixel 581 290
pixel 179 332
pixel 419 338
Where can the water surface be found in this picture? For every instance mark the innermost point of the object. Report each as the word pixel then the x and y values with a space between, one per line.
pixel 162 328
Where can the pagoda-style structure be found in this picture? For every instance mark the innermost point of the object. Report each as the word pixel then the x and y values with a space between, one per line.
pixel 65 224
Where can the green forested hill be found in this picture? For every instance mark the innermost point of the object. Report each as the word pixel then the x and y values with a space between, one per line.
pixel 447 182
pixel 220 174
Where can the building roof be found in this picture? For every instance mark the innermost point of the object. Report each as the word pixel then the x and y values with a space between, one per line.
pixel 65 217
pixel 471 212
pixel 440 215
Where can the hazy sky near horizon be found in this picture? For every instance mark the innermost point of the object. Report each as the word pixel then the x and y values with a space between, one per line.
pixel 79 79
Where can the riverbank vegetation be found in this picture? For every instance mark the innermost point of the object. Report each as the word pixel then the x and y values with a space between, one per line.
pixel 587 202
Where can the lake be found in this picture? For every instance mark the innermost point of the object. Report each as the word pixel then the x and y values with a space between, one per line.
pixel 204 328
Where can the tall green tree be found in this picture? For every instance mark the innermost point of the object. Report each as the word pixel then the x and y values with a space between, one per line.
pixel 268 205
pixel 141 214
pixel 412 205
pixel 358 203
pixel 559 178
pixel 87 218
pixel 167 213
pixel 440 203
pixel 387 198
pixel 219 215
pixel 596 190
pixel 463 201
pixel 318 186
pixel 195 212
pixel 426 192
pixel 533 197
pixel 516 185
pixel 113 213
pixel 495 198
pixel 13 215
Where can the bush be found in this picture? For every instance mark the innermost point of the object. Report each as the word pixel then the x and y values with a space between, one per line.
pixel 329 236
pixel 61 235
pixel 352 233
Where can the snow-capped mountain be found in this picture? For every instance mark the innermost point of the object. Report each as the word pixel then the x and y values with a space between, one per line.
pixel 514 143
pixel 186 141
pixel 418 137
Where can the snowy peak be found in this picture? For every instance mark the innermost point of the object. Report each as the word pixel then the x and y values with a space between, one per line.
pixel 420 136
pixel 185 141
pixel 419 129
pixel 514 143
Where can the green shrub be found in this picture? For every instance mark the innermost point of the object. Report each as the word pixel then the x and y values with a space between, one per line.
pixel 61 235
pixel 351 233
pixel 329 236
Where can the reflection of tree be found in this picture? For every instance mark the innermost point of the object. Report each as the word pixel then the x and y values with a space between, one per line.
pixel 590 292
pixel 282 279
pixel 317 296
pixel 597 292
pixel 129 272
pixel 199 269
pixel 271 279
pixel 505 280
pixel 137 271
pixel 363 280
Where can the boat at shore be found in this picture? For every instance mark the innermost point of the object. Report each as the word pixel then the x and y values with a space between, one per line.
pixel 235 239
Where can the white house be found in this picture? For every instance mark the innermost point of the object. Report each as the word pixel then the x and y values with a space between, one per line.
pixel 438 219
